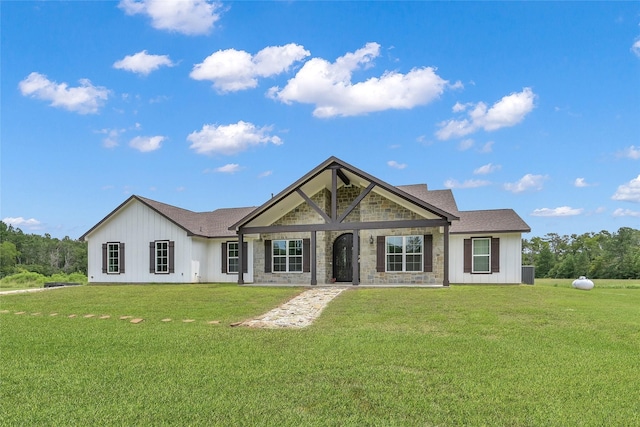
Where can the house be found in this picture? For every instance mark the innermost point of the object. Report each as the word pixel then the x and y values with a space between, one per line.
pixel 336 224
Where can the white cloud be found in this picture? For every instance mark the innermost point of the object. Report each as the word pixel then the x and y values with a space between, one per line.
pixel 509 111
pixel 469 183
pixel 626 212
pixel 459 108
pixel 487 169
pixel 635 48
pixel 143 63
pixel 581 183
pixel 329 87
pixel 265 174
pixel 20 222
pixel 229 168
pixel 629 192
pixel 561 211
pixel 396 165
pixel 232 70
pixel 526 183
pixel 230 139
pixel 631 152
pixel 146 144
pixel 111 138
pixel 83 99
pixel 190 17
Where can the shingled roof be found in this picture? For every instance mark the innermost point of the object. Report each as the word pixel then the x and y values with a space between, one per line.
pixel 440 198
pixel 203 224
pixel 487 221
pixel 215 224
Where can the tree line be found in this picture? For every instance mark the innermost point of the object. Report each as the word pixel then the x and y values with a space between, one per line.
pixel 602 255
pixel 39 254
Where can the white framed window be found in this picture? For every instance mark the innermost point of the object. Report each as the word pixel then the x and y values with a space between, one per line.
pixel 404 253
pixel 287 256
pixel 481 255
pixel 162 256
pixel 113 258
pixel 232 257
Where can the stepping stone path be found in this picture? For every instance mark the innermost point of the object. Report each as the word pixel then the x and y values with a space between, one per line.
pixel 299 312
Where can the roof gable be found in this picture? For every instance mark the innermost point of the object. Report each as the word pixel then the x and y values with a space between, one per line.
pixel 321 177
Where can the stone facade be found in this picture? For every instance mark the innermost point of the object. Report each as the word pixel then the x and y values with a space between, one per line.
pixel 372 208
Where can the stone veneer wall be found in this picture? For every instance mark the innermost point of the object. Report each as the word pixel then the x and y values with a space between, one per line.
pixel 372 208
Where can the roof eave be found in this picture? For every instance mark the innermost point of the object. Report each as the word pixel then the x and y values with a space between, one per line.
pixel 491 231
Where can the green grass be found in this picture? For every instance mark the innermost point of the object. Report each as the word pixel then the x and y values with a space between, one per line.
pixel 469 355
pixel 599 283
pixel 28 279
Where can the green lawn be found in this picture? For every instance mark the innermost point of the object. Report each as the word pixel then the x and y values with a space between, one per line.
pixel 543 355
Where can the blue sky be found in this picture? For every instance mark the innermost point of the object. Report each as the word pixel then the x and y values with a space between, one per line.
pixel 533 106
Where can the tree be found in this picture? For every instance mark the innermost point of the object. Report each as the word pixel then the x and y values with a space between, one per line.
pixel 602 255
pixel 8 258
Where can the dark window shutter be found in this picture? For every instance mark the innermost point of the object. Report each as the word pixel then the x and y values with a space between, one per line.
pixel 495 255
pixel 224 257
pixel 306 259
pixel 467 256
pixel 380 262
pixel 267 256
pixel 245 257
pixel 172 257
pixel 152 257
pixel 121 260
pixel 104 257
pixel 428 253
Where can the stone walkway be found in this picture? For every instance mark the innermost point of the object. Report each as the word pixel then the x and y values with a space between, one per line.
pixel 298 312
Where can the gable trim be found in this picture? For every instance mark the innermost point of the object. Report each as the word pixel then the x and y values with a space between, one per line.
pixel 335 165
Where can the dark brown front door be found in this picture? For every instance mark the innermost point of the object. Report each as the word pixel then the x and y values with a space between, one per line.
pixel 342 258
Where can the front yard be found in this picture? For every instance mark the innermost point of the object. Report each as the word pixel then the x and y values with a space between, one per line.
pixel 468 355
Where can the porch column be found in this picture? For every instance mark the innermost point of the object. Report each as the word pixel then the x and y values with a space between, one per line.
pixel 312 258
pixel 445 278
pixel 241 256
pixel 355 257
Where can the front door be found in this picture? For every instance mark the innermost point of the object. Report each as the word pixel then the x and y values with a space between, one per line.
pixel 342 258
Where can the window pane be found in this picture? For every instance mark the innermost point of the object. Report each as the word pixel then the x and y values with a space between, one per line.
pixel 394 245
pixel 295 247
pixel 279 247
pixel 481 263
pixel 233 265
pixel 279 263
pixel 295 263
pixel 414 245
pixel 232 249
pixel 481 246
pixel 414 263
pixel 394 262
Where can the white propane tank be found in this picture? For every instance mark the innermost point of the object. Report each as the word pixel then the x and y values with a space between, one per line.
pixel 582 283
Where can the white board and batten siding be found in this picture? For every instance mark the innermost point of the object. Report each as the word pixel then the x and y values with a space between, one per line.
pixel 196 259
pixel 136 225
pixel 510 260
